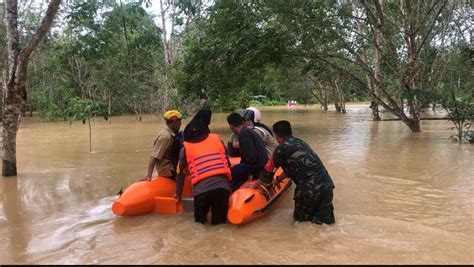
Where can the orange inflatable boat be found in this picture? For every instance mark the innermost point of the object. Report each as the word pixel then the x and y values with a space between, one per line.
pixel 245 204
pixel 139 197
pixel 248 204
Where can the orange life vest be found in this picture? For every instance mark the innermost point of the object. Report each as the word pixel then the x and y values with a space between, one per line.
pixel 206 158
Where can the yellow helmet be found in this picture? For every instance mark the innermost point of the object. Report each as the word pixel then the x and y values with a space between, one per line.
pixel 172 115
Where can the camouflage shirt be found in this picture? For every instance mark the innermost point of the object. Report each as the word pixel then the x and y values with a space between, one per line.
pixel 301 163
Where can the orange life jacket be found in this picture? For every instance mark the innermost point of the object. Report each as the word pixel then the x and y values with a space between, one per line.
pixel 207 158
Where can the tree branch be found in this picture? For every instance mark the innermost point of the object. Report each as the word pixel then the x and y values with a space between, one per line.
pixel 13 41
pixel 425 38
pixel 38 36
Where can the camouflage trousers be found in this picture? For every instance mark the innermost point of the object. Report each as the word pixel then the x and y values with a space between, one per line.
pixel 314 206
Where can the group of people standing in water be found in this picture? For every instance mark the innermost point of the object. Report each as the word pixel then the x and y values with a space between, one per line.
pixel 198 153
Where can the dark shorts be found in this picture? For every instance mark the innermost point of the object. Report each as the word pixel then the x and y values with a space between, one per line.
pixel 217 201
pixel 315 207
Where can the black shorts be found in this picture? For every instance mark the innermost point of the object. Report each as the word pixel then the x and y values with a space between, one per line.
pixel 216 200
pixel 316 207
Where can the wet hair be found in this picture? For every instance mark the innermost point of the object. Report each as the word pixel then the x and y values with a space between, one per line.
pixel 282 128
pixel 235 119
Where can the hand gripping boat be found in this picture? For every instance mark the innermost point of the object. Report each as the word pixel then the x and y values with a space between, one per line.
pixel 245 204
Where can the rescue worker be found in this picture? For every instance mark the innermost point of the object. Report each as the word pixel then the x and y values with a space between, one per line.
pixel 252 152
pixel 266 135
pixel 166 147
pixel 314 187
pixel 204 157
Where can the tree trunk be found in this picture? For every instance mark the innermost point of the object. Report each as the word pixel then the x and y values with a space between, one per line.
pixel 339 101
pixel 166 44
pixel 10 125
pixel 336 97
pixel 342 100
pixel 374 105
pixel 413 124
pixel 363 54
pixel 417 20
pixel 90 134
pixel 109 109
pixel 324 96
pixel 321 99
pixel 15 77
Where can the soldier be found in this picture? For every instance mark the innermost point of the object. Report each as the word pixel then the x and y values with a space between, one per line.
pixel 314 187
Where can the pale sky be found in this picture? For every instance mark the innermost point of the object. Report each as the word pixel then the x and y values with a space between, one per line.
pixel 155 11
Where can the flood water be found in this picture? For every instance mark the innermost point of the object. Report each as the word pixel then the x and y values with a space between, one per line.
pixel 400 197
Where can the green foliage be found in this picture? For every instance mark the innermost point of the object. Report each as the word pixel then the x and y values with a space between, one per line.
pixel 460 111
pixel 109 52
pixel 457 102
pixel 229 54
pixel 219 65
pixel 84 109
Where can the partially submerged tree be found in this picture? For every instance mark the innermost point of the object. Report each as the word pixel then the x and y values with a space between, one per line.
pixel 15 74
pixel 83 110
pixel 461 112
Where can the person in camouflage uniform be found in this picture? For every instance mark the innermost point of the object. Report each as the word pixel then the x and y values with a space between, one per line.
pixel 314 187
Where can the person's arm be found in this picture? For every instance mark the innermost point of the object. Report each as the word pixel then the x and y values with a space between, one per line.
pixel 264 179
pixel 278 158
pixel 234 140
pixel 226 153
pixel 273 163
pixel 260 132
pixel 182 164
pixel 270 166
pixel 151 166
pixel 160 148
pixel 233 146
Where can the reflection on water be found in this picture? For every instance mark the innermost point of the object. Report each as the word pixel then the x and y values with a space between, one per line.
pixel 14 231
pixel 400 197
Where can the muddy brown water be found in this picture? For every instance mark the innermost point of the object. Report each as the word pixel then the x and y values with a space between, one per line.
pixel 400 197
